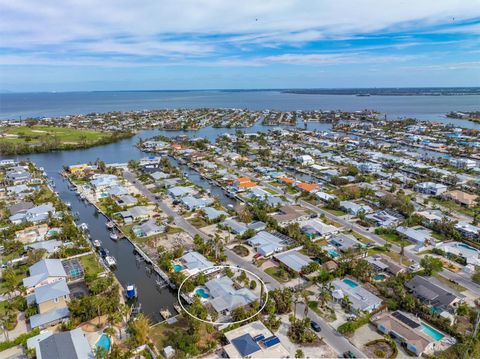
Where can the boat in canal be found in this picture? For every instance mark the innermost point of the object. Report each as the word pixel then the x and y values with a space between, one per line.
pixel 96 243
pixel 103 252
pixel 110 261
pixel 131 292
pixel 114 236
pixel 110 224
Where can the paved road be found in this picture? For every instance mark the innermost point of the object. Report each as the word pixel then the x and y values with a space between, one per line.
pixel 330 336
pixel 461 278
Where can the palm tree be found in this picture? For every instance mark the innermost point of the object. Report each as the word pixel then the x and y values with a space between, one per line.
pixel 139 329
pixel 124 311
pixel 347 302
pixel 325 294
pixel 296 298
pixel 305 295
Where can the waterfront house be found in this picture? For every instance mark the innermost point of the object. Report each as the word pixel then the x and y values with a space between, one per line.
pixel 225 297
pixel 360 298
pixel 355 208
pixel 158 175
pixel 44 272
pixel 51 300
pixel 253 340
pixel 464 163
pixel 50 246
pixel 242 183
pixel 325 197
pixel 213 214
pixel 126 200
pixel 430 291
pixel 20 207
pixel 235 226
pixel 293 260
pixel 290 214
pixel 179 192
pixel 20 190
pixel 314 228
pixel 17 176
pixel 117 191
pixel 148 228
pixel 72 345
pixel 407 330
pixel 192 203
pixel 101 182
pixel 136 213
pixel 266 243
pixel 430 188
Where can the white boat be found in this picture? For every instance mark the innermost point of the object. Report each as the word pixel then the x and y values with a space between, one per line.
pixel 96 243
pixel 111 262
pixel 113 236
pixel 83 227
pixel 68 204
pixel 110 224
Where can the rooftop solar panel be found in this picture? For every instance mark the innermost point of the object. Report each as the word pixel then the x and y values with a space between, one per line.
pixel 271 341
pixel 406 320
pixel 259 337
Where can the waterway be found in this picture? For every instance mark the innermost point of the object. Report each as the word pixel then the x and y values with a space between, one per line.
pixel 129 270
pixel 432 108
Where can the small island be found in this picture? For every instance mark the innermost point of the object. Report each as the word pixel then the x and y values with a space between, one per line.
pixel 463 115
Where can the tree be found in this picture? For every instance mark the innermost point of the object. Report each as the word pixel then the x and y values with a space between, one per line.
pixel 431 265
pixel 299 354
pixel 325 294
pixel 139 329
pixel 253 284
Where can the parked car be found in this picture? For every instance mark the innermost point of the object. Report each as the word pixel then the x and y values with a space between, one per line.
pixel 315 326
pixel 349 354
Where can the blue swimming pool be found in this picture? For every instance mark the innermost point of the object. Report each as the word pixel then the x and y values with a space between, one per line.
pixel 202 293
pixel 380 277
pixel 466 246
pixel 350 283
pixel 177 267
pixel 433 333
pixel 333 253
pixel 104 342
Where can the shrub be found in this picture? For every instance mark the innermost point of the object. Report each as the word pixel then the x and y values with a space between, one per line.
pixel 379 353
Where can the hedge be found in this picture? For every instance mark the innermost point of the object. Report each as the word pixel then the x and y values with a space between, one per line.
pixel 20 340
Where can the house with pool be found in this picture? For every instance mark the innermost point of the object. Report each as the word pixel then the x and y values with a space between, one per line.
pixel 361 299
pixel 413 334
pixel 224 295
pixel 194 262
pixel 432 292
pixel 471 254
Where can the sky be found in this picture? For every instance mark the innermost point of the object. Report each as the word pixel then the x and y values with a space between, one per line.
pixel 82 45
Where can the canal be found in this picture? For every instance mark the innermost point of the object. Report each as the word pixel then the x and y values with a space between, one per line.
pixel 129 270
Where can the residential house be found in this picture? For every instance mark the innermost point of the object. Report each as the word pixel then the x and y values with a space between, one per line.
pixel 315 228
pixel 179 192
pixel 235 226
pixel 61 345
pixel 305 160
pixel 344 242
pixel 50 246
pixel 468 230
pixel 126 200
pixel 293 260
pixel 430 291
pixel 213 214
pixel 417 235
pixel 20 207
pixel 325 197
pixel 308 187
pixel 158 175
pixel 464 163
pixel 266 243
pixel 382 263
pixel 465 199
pixel 407 330
pixel 32 234
pixel 224 296
pixel 192 203
pixel 243 183
pixel 355 208
pixel 136 213
pixel 101 182
pixel 289 214
pixel 44 272
pixel 17 175
pixel 471 254
pixel 194 262
pixel 361 300
pixel 51 300
pixel 384 218
pixel 148 228
pixel 430 188
pixel 35 214
pixel 253 340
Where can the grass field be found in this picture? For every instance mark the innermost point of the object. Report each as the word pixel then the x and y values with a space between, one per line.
pixel 39 134
pixel 31 139
pixel 91 265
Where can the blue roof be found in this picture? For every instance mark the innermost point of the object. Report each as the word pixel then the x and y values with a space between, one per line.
pixel 245 345
pixel 51 291
pixel 53 315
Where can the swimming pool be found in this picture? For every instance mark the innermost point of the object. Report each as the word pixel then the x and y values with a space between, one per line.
pixel 434 334
pixel 177 267
pixel 333 253
pixel 380 277
pixel 350 283
pixel 104 342
pixel 467 247
pixel 202 293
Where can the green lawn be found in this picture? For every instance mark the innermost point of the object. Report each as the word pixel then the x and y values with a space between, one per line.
pixel 274 272
pixel 335 212
pixel 452 205
pixel 90 265
pixel 454 286
pixel 394 238
pixel 39 134
pixel 20 273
